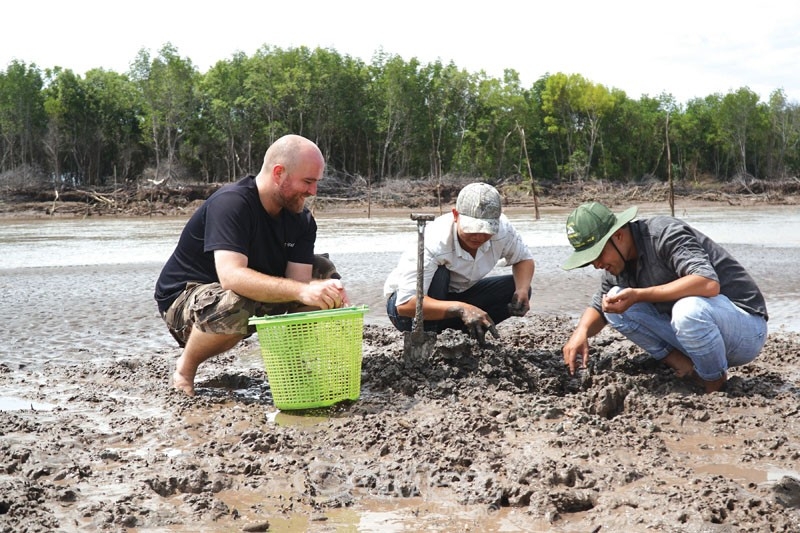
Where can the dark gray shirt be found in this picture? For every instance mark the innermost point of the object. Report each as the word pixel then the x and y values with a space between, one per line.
pixel 669 249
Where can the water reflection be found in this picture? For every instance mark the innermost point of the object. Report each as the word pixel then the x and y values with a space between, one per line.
pixel 43 243
pixel 88 283
pixel 8 403
pixel 36 243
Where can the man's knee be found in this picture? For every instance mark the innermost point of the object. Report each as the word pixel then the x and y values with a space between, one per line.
pixel 400 322
pixel 690 312
pixel 323 268
pixel 211 309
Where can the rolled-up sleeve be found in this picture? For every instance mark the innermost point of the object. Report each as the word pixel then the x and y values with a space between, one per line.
pixel 681 249
pixel 512 245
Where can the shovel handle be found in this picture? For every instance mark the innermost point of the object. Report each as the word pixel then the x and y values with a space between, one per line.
pixel 421 219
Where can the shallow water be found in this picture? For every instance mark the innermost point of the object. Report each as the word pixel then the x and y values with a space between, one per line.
pixel 75 242
pixel 76 288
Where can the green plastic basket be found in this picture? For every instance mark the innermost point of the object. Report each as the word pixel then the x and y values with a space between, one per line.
pixel 312 359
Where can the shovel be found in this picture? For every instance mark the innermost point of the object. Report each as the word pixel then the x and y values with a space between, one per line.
pixel 418 344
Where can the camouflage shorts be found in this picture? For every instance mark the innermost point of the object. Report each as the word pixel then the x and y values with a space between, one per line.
pixel 212 309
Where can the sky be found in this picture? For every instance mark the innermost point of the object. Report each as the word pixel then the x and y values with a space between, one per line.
pixel 687 48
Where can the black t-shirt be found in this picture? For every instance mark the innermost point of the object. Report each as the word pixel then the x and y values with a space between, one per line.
pixel 233 219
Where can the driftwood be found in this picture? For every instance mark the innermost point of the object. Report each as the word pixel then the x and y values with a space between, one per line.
pixel 162 200
pixel 97 197
pixel 52 209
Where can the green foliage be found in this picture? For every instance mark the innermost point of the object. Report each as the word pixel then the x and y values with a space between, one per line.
pixel 22 118
pixel 783 135
pixel 741 121
pixel 390 118
pixel 167 85
pixel 575 111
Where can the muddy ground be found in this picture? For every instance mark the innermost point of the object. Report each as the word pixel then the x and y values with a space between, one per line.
pixel 471 439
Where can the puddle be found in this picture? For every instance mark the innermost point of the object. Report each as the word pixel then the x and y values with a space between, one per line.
pixel 721 456
pixel 300 419
pixel 433 513
pixel 748 475
pixel 776 474
pixel 20 404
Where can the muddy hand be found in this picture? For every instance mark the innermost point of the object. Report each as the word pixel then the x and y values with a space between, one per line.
pixel 478 323
pixel 517 307
pixel 478 331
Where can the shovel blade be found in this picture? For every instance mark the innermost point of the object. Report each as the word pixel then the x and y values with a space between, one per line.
pixel 418 346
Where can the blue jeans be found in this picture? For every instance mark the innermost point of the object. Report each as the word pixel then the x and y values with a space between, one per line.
pixel 492 294
pixel 713 332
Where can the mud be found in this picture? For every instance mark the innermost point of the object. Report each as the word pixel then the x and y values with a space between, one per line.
pixel 473 439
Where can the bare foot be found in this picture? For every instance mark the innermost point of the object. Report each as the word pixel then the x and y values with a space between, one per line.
pixel 180 382
pixel 714 385
pixel 680 363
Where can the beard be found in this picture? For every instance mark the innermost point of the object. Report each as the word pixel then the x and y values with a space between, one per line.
pixel 291 200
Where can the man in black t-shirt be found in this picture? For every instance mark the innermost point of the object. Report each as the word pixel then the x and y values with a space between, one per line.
pixel 248 250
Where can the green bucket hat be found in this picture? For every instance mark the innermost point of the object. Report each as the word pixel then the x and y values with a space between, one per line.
pixel 588 229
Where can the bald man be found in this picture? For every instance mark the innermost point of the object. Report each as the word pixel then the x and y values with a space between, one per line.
pixel 247 251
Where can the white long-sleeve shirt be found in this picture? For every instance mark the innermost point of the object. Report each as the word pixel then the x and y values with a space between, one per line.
pixel 442 248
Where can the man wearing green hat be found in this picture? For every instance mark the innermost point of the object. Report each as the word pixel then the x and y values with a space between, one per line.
pixel 668 288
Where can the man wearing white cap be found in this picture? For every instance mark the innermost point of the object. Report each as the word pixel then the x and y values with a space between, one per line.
pixel 461 248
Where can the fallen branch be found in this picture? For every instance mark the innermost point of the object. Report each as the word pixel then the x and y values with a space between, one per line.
pixel 99 198
pixel 55 199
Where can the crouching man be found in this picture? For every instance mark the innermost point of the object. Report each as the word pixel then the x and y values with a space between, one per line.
pixel 461 248
pixel 669 289
pixel 247 251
